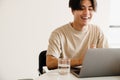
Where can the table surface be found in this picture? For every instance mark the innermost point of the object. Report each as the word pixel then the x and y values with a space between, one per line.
pixel 54 75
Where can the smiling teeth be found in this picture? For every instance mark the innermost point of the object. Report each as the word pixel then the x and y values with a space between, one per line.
pixel 85 17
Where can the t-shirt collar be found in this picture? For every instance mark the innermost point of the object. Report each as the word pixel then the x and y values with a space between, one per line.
pixel 85 28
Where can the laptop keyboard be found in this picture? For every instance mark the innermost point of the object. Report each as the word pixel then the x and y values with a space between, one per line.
pixel 76 70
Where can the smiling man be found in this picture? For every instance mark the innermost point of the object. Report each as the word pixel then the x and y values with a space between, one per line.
pixel 72 40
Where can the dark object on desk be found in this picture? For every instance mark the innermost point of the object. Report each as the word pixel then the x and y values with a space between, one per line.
pixel 100 62
pixel 42 61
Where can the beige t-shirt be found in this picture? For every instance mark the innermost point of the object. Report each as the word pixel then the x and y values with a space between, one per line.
pixel 67 42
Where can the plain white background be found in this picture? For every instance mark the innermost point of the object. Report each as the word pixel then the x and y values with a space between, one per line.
pixel 25 27
pixel 114 32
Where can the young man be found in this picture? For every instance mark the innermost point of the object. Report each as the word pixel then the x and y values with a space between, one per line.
pixel 73 39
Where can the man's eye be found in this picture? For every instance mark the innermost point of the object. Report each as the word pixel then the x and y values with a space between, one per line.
pixel 91 9
pixel 82 8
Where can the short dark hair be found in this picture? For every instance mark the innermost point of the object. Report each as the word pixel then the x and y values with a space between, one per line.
pixel 76 4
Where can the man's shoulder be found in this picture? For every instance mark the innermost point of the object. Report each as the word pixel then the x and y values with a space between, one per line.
pixel 62 28
pixel 94 26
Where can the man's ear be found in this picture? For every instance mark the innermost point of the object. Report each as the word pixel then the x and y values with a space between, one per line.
pixel 72 11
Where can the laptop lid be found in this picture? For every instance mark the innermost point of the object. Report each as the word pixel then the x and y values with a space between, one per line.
pixel 100 62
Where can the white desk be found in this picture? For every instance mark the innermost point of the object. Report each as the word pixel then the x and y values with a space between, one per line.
pixel 53 75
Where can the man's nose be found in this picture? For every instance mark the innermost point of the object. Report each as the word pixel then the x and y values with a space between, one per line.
pixel 86 11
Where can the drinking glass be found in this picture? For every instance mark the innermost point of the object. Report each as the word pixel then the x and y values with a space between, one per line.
pixel 63 66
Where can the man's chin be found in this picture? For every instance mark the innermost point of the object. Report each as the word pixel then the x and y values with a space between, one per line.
pixel 85 24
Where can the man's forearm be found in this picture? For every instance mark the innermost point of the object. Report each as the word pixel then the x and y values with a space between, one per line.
pixel 76 62
pixel 51 62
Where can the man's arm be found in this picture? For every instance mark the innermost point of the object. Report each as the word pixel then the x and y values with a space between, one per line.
pixel 52 62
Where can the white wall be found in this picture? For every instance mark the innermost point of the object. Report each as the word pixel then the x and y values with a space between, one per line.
pixel 114 40
pixel 102 14
pixel 25 26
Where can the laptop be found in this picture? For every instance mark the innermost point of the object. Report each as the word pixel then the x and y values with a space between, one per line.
pixel 99 62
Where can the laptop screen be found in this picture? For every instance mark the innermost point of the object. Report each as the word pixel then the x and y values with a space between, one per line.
pixel 100 62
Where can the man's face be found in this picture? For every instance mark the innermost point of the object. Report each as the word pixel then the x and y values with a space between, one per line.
pixel 84 15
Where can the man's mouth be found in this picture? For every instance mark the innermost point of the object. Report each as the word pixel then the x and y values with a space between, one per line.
pixel 85 18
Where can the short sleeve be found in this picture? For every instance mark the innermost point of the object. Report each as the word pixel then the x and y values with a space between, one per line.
pixel 54 47
pixel 102 40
